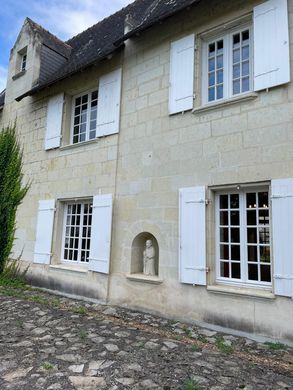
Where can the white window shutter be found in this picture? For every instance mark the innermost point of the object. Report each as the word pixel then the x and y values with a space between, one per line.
pixel 282 212
pixel 181 90
pixel 44 232
pixel 271 44
pixel 99 259
pixel 54 122
pixel 192 235
pixel 109 103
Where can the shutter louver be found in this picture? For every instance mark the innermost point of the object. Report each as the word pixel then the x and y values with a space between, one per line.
pixel 109 103
pixel 192 236
pixel 271 44
pixel 282 212
pixel 99 259
pixel 44 231
pixel 181 89
pixel 54 122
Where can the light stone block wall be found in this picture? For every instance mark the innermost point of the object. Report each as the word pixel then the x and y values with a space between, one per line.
pixel 248 142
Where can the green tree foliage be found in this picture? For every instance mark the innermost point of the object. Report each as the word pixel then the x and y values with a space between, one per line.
pixel 12 191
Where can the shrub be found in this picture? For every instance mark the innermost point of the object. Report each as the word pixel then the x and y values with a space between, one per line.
pixel 12 191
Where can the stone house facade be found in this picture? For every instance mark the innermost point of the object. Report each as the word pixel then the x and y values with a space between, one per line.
pixel 170 122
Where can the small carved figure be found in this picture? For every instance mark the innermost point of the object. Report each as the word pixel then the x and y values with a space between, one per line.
pixel 149 259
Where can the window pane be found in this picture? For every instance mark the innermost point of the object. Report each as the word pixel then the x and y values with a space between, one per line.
pixel 211 79
pixel 84 99
pixel 235 235
pixel 251 200
pixel 92 134
pixel 78 101
pixel 224 271
pixel 211 94
pixel 220 45
pixel 236 87
pixel 245 35
pixel 224 252
pixel 245 53
pixel 265 273
pixel 224 235
pixel 236 71
pixel 220 76
pixel 236 56
pixel 265 255
pixel 212 48
pixel 245 69
pixel 220 62
pixel 264 235
pixel 235 268
pixel 235 218
pixel 235 252
pixel 234 201
pixel 251 217
pixel 211 64
pixel 224 218
pixel 236 39
pixel 252 272
pixel 245 84
pixel 223 201
pixel 220 92
pixel 252 253
pixel 252 235
pixel 263 199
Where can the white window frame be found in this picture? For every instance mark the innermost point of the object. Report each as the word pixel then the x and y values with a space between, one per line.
pixel 23 62
pixel 63 260
pixel 243 281
pixel 88 93
pixel 227 37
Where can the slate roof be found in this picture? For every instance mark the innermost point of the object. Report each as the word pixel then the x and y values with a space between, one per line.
pixel 2 98
pixel 104 38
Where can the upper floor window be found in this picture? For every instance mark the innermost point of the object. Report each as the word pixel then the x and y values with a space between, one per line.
pixel 227 66
pixel 85 117
pixel 23 62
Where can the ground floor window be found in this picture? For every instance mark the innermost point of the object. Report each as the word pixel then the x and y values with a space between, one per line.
pixel 77 232
pixel 243 237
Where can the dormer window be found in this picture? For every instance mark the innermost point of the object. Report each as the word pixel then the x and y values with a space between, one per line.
pixel 23 62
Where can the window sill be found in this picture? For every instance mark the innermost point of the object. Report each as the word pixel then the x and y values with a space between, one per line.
pixel 68 268
pixel 226 103
pixel 79 144
pixel 19 74
pixel 144 278
pixel 241 291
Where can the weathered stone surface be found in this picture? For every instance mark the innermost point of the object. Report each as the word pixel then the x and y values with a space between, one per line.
pixel 87 383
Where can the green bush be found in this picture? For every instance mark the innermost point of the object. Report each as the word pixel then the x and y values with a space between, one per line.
pixel 12 191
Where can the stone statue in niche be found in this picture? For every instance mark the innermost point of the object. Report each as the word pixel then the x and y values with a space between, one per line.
pixel 149 259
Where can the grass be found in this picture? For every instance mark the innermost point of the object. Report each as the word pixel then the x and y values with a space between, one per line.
pixel 47 366
pixel 202 338
pixel 79 310
pixel 275 346
pixel 222 346
pixel 187 331
pixel 190 384
pixel 195 348
pixel 83 334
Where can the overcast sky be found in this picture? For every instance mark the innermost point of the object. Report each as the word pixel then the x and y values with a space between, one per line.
pixel 64 18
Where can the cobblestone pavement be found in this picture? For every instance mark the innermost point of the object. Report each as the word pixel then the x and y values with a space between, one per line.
pixel 52 343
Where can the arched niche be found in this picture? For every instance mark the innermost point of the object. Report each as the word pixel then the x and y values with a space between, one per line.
pixel 137 249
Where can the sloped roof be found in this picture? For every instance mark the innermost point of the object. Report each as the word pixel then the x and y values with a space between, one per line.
pixel 2 98
pixel 104 38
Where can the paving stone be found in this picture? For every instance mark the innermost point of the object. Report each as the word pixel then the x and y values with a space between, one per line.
pixel 170 344
pixel 87 383
pixel 125 381
pixel 76 368
pixel 151 345
pixel 111 347
pixel 71 358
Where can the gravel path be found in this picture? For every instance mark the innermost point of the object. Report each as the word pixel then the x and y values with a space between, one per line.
pixel 57 343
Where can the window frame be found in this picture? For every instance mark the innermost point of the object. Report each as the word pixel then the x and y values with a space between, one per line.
pixel 23 62
pixel 87 133
pixel 78 262
pixel 243 281
pixel 227 37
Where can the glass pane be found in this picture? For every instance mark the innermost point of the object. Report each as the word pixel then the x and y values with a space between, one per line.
pixel 245 68
pixel 211 94
pixel 220 60
pixel 211 64
pixel 234 218
pixel 224 218
pixel 220 92
pixel 212 48
pixel 252 253
pixel 220 77
pixel 93 125
pixel 223 201
pixel 251 200
pixel 224 235
pixel 251 217
pixel 78 101
pixel 264 235
pixel 236 39
pixel 224 269
pixel 252 235
pixel 84 99
pixel 77 111
pixel 245 35
pixel 235 252
pixel 224 252
pixel 83 117
pixel 220 45
pixel 263 199
pixel 245 84
pixel 93 134
pixel 245 53
pixel 235 268
pixel 75 139
pixel 235 235
pixel 236 87
pixel 236 56
pixel 265 254
pixel 234 201
pixel 265 273
pixel 94 95
pixel 252 272
pixel 236 71
pixel 211 79
pixel 263 218
pixel 82 137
